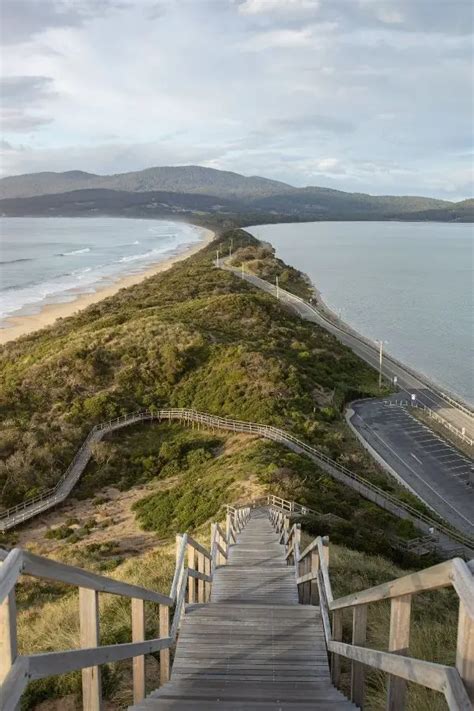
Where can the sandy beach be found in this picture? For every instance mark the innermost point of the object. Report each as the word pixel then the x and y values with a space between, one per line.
pixel 23 325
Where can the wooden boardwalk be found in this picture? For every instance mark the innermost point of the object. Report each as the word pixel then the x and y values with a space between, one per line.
pixel 252 646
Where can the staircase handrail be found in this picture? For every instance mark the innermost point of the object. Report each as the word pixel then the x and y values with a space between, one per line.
pixel 314 587
pixel 16 670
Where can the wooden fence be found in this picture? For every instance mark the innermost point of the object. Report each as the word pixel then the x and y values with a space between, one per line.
pixel 314 587
pixel 448 538
pixel 192 581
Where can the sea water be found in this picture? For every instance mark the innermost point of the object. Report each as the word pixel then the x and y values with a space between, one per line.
pixel 408 284
pixel 55 260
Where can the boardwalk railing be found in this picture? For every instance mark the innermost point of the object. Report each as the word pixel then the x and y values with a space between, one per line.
pixel 314 587
pixel 384 499
pixel 421 545
pixel 192 581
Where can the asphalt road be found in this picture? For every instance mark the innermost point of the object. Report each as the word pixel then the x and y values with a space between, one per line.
pixel 436 471
pixel 408 382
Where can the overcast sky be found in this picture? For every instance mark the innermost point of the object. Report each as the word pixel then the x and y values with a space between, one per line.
pixel 362 95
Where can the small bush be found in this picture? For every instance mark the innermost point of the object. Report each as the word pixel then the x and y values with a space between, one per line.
pixel 59 533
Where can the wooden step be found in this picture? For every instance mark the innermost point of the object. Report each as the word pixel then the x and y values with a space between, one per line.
pixel 253 647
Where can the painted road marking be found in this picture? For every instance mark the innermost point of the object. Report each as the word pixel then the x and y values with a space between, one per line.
pixel 424 481
pixel 415 457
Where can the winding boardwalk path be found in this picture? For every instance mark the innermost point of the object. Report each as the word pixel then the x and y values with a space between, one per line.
pixel 252 646
pixel 449 541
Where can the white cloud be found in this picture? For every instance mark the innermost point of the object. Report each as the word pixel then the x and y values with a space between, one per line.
pixel 387 11
pixel 287 7
pixel 304 92
pixel 329 165
pixel 272 39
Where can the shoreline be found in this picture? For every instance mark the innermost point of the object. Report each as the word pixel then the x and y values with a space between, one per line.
pixel 48 315
pixel 328 313
pixel 333 313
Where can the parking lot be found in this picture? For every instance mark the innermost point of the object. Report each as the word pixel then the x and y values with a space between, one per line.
pixel 430 466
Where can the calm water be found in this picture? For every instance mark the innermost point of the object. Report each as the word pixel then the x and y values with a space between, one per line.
pixel 409 284
pixel 50 260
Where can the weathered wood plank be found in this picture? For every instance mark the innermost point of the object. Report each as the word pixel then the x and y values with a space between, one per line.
pixel 465 650
pixel 52 570
pixel 138 663
pixel 89 632
pixel 399 641
pixel 438 576
pixel 359 636
pixel 165 651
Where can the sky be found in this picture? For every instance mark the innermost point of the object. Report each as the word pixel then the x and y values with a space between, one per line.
pixel 361 95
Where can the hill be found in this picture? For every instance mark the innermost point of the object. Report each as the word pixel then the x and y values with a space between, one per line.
pixel 197 337
pixel 194 189
pixel 191 337
pixel 193 179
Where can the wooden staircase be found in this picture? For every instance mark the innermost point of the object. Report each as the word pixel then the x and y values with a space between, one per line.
pixel 253 622
pixel 253 646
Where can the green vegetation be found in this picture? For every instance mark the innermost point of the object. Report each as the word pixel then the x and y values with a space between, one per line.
pixel 194 337
pixel 195 192
pixel 199 473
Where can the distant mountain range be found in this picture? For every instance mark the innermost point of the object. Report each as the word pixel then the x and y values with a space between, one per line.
pixel 191 190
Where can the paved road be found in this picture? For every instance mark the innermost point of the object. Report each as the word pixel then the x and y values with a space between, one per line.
pixel 436 471
pixel 407 381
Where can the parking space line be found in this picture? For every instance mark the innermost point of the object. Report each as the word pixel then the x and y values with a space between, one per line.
pixel 447 502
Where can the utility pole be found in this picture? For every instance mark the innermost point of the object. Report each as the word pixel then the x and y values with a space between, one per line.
pixel 380 362
pixel 277 288
pixel 231 246
pixel 243 270
pixel 217 258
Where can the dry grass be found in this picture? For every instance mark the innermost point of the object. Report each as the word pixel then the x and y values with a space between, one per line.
pixel 433 629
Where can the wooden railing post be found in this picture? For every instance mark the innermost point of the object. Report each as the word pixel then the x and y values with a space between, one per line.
pixel 200 586
pixel 337 637
pixel 89 626
pixel 207 586
pixel 191 581
pixel 178 546
pixel 399 641
pixel 359 637
pixel 164 653
pixel 465 650
pixel 314 594
pixel 8 640
pixel 138 663
pixel 213 549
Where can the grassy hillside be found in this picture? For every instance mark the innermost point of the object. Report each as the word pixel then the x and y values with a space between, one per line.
pixel 191 337
pixel 178 479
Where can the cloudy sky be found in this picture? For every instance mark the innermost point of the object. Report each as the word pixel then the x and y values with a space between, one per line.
pixel 362 95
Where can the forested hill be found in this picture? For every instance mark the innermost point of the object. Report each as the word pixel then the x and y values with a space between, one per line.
pixel 191 190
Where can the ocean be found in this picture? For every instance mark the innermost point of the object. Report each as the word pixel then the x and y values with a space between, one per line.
pixel 55 260
pixel 409 284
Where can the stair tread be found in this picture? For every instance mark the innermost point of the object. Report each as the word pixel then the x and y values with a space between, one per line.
pixel 253 646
